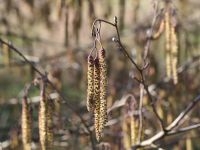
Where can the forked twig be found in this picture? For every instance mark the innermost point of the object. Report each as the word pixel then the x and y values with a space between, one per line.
pixel 168 131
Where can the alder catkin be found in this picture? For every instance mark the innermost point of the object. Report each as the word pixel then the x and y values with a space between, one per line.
pixel 97 98
pixel 90 88
pixel 134 130
pixel 42 122
pixel 174 52
pixel 167 43
pixel 45 122
pixel 26 125
pixel 103 89
pixel 49 123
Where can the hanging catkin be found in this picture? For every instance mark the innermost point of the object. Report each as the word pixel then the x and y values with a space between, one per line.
pixel 134 129
pixel 97 98
pixel 167 43
pixel 45 122
pixel 90 88
pixel 174 52
pixel 103 88
pixel 26 124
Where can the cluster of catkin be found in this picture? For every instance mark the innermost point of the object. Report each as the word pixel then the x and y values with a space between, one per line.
pixel 96 92
pixel 26 124
pixel 171 45
pixel 45 121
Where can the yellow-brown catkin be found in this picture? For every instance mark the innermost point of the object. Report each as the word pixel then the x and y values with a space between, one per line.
pixel 97 98
pixel 167 43
pixel 45 123
pixel 50 123
pixel 174 52
pixel 42 122
pixel 126 133
pixel 90 88
pixel 26 125
pixel 134 130
pixel 103 89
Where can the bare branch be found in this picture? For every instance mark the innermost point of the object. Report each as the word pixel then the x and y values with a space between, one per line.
pixel 168 131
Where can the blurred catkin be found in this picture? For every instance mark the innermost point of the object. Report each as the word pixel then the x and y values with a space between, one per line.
pixel 167 43
pixel 90 88
pixel 126 134
pixel 97 98
pixel 45 122
pixel 174 52
pixel 103 89
pixel 171 44
pixel 26 124
pixel 134 130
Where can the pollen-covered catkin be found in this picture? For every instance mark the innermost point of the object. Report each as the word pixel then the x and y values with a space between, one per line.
pixel 49 124
pixel 42 122
pixel 103 89
pixel 167 43
pixel 174 52
pixel 90 88
pixel 26 124
pixel 45 122
pixel 134 130
pixel 97 98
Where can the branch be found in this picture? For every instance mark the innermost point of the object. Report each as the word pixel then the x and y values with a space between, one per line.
pixel 168 131
pixel 183 113
pixel 185 129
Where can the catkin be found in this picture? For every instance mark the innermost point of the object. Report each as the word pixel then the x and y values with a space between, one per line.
pixel 42 122
pixel 174 52
pixel 134 130
pixel 103 88
pixel 126 133
pixel 97 98
pixel 45 123
pixel 50 123
pixel 167 43
pixel 26 124
pixel 90 88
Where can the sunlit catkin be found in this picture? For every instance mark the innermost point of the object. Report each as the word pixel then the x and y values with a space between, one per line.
pixel 49 124
pixel 174 52
pixel 97 98
pixel 90 88
pixel 26 125
pixel 45 122
pixel 134 130
pixel 126 133
pixel 103 89
pixel 42 121
pixel 167 43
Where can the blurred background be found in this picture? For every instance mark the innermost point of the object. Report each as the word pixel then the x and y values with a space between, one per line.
pixel 56 37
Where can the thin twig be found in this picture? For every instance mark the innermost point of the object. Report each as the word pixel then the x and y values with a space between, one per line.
pixel 140 112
